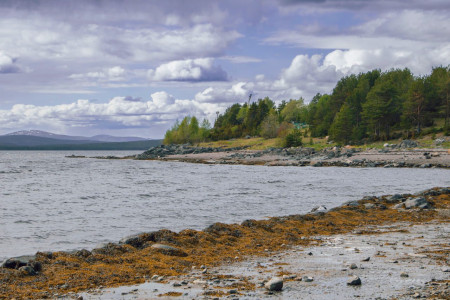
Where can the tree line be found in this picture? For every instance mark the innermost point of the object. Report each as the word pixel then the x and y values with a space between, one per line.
pixel 366 107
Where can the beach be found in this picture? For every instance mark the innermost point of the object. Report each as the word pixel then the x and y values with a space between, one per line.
pixel 278 246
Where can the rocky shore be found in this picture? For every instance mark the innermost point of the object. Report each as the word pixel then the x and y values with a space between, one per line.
pixel 208 263
pixel 404 155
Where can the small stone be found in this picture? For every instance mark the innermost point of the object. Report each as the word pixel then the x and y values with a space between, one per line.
pixel 354 280
pixel 366 259
pixel 307 279
pixel 80 298
pixel 168 250
pixel 184 282
pixel 274 284
pixel 353 266
pixel 310 253
pixel 204 271
pixel 155 277
pixel 176 284
pixel 404 274
pixel 232 291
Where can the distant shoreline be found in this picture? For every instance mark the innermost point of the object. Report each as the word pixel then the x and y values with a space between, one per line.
pixel 301 156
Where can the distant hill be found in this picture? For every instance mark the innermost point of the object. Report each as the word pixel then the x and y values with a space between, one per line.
pixel 41 140
pixel 36 143
pixel 96 138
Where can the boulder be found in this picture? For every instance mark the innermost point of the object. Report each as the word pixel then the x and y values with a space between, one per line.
pixel 408 144
pixel 274 284
pixel 17 262
pixel 394 198
pixel 369 205
pixel 418 202
pixel 318 209
pixel 169 250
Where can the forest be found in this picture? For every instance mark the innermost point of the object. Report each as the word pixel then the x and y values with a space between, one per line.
pixel 369 106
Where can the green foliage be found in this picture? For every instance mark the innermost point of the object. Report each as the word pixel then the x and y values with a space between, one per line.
pixel 292 110
pixel 293 138
pixel 342 128
pixel 270 125
pixel 188 131
pixel 367 106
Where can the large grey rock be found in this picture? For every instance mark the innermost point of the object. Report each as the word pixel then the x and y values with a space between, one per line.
pixel 408 144
pixel 133 240
pixel 394 198
pixel 369 205
pixel 419 202
pixel 17 262
pixel 354 280
pixel 169 250
pixel 274 284
pixel 318 209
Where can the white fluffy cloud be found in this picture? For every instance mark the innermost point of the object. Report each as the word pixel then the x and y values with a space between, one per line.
pixel 409 38
pixel 238 92
pixel 201 69
pixel 162 109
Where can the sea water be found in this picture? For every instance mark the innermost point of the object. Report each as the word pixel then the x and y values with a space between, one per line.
pixel 51 202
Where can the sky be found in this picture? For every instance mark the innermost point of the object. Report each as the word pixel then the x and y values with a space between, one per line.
pixel 133 67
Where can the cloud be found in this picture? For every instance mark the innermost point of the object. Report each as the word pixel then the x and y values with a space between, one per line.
pixel 241 59
pixel 201 69
pixel 8 64
pixel 237 93
pixel 161 111
pixel 410 38
pixel 110 74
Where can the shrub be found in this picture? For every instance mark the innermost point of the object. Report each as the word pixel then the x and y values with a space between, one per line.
pixel 293 138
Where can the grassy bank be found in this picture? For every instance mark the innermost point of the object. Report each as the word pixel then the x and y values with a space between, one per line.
pixel 259 143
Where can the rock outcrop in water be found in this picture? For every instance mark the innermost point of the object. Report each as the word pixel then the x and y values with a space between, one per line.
pixel 165 150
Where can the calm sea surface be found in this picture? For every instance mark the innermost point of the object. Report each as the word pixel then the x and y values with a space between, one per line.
pixel 50 202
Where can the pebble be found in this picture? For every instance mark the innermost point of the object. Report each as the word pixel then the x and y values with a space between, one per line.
pixel 366 259
pixel 404 274
pixel 353 266
pixel 274 284
pixel 307 279
pixel 354 280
